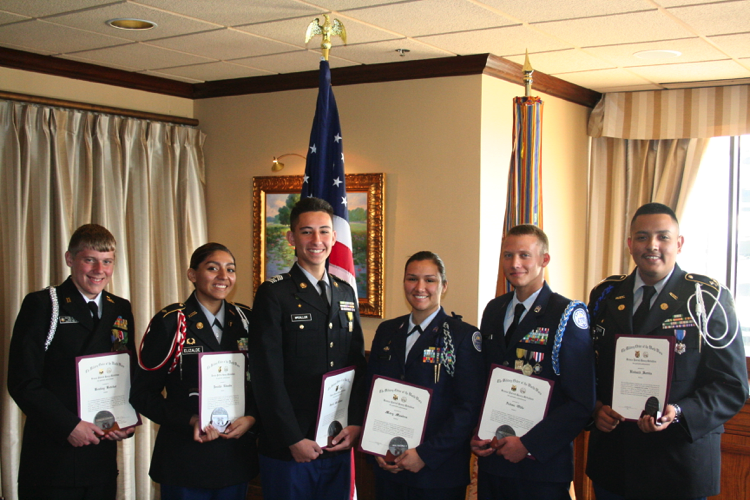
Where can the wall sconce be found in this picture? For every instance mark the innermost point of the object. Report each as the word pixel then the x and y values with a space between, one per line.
pixel 277 165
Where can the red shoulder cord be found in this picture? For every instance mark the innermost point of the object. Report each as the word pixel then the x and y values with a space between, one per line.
pixel 178 343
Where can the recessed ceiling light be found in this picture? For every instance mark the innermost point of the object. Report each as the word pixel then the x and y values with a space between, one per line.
pixel 657 54
pixel 131 24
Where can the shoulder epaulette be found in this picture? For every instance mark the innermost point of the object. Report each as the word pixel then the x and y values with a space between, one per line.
pixel 704 280
pixel 613 278
pixel 278 277
pixel 243 306
pixel 172 308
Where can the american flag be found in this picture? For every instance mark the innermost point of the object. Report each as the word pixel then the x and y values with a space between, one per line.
pixel 324 175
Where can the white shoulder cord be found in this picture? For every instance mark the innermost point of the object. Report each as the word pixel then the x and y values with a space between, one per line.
pixel 245 322
pixel 55 316
pixel 704 316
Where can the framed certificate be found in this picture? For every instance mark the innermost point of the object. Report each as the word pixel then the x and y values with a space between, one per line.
pixel 513 404
pixel 643 373
pixel 396 417
pixel 103 391
pixel 333 409
pixel 221 379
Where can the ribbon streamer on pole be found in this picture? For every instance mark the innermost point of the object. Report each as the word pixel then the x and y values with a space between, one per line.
pixel 524 201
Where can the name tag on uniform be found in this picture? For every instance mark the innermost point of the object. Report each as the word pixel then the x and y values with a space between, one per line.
pixel 347 306
pixel 192 350
pixel 67 320
pixel 296 318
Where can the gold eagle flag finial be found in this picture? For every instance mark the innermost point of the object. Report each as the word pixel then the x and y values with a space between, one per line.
pixel 327 30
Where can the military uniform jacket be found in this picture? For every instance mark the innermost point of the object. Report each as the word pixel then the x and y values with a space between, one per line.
pixel 455 402
pixel 710 385
pixel 573 395
pixel 44 386
pixel 178 460
pixel 294 341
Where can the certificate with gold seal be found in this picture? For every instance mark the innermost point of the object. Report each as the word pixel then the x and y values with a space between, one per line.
pixel 643 372
pixel 333 409
pixel 513 404
pixel 396 417
pixel 221 388
pixel 104 391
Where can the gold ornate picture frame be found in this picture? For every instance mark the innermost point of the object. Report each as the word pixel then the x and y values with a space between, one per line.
pixel 273 197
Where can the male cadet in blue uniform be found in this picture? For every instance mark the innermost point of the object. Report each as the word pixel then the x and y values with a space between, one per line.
pixel 62 456
pixel 542 333
pixel 296 338
pixel 677 456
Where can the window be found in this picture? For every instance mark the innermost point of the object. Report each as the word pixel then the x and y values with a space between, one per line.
pixel 716 222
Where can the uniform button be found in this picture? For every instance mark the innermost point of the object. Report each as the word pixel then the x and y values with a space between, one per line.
pixel 301 327
pixel 331 363
pixel 331 345
pixel 330 326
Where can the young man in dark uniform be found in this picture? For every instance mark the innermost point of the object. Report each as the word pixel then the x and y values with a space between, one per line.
pixel 678 455
pixel 62 456
pixel 305 324
pixel 542 333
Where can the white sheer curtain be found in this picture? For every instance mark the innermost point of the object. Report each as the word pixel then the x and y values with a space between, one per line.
pixel 142 180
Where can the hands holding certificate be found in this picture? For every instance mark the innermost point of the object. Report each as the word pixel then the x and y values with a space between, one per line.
pixel 234 430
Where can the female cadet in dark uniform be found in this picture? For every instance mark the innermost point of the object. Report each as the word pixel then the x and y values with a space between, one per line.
pixel 430 349
pixel 192 463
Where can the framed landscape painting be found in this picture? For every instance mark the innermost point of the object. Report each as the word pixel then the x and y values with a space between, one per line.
pixel 273 199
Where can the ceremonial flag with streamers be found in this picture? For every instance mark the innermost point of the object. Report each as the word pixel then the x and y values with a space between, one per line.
pixel 324 175
pixel 524 202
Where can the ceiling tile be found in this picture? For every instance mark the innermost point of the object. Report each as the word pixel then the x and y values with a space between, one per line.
pixel 616 29
pixel 603 78
pixel 292 31
pixel 676 3
pixel 734 45
pixel 108 64
pixel 7 18
pixel 511 40
pixel 213 71
pixel 385 52
pixel 693 49
pixel 431 16
pixel 630 88
pixel 28 49
pixel 224 44
pixel 301 60
pixel 562 61
pixel 167 24
pixel 52 38
pixel 236 12
pixel 41 8
pixel 343 5
pixel 532 11
pixel 716 18
pixel 171 77
pixel 140 56
pixel 716 70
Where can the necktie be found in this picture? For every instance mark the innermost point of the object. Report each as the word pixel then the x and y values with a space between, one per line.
pixel 94 313
pixel 412 339
pixel 217 330
pixel 640 315
pixel 513 326
pixel 322 285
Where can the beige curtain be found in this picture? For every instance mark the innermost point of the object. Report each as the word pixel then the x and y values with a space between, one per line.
pixel 625 174
pixel 142 180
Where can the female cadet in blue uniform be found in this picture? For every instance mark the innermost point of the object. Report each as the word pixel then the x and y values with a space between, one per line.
pixel 192 463
pixel 437 469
